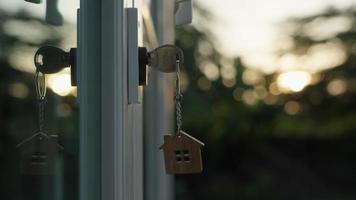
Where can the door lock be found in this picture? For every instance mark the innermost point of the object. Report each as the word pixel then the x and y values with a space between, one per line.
pixel 50 60
pixel 162 58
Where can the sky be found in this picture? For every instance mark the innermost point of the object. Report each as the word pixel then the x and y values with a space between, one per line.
pixel 248 28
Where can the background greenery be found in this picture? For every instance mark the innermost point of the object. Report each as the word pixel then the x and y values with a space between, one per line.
pixel 260 151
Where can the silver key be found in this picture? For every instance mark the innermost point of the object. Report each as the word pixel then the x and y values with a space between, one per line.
pixel 164 58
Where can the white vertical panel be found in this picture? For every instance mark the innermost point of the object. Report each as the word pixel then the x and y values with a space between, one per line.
pixel 121 121
pixel 158 109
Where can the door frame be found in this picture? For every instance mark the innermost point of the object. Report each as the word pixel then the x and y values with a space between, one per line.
pixel 111 139
pixel 111 160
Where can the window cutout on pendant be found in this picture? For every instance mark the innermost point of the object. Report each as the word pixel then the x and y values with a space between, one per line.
pixel 182 156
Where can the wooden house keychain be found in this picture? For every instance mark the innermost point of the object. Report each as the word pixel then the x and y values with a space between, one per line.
pixel 182 152
pixel 39 152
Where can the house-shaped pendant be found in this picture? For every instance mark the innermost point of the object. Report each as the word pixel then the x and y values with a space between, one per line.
pixel 182 154
pixel 38 154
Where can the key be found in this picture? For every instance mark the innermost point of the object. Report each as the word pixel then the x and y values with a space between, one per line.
pixel 164 58
pixel 49 59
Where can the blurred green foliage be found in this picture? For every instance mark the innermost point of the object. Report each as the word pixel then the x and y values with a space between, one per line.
pixel 259 151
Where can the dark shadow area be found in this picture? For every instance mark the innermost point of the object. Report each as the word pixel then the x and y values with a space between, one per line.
pixel 19 111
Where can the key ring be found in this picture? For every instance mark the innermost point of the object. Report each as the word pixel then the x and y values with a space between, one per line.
pixel 40 85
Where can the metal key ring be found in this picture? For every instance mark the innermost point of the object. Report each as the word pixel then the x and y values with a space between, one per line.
pixel 40 85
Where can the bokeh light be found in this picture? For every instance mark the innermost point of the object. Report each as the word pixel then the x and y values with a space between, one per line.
pixel 18 90
pixel 273 88
pixel 336 87
pixel 252 77
pixel 293 81
pixel 249 97
pixel 292 107
pixel 204 83
pixel 210 70
pixel 61 84
pixel 270 99
pixel 260 92
pixel 237 94
pixel 229 82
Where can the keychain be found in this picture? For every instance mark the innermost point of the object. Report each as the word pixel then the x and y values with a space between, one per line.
pixel 38 152
pixel 182 152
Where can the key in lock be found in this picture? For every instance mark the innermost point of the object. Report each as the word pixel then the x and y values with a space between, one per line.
pixel 162 58
pixel 50 60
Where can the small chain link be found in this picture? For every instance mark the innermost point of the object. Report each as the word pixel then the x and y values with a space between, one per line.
pixel 178 98
pixel 40 85
pixel 41 115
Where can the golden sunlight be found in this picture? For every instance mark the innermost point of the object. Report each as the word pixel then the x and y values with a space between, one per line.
pixel 293 81
pixel 60 84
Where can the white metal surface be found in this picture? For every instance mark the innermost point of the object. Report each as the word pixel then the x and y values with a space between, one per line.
pixel 158 104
